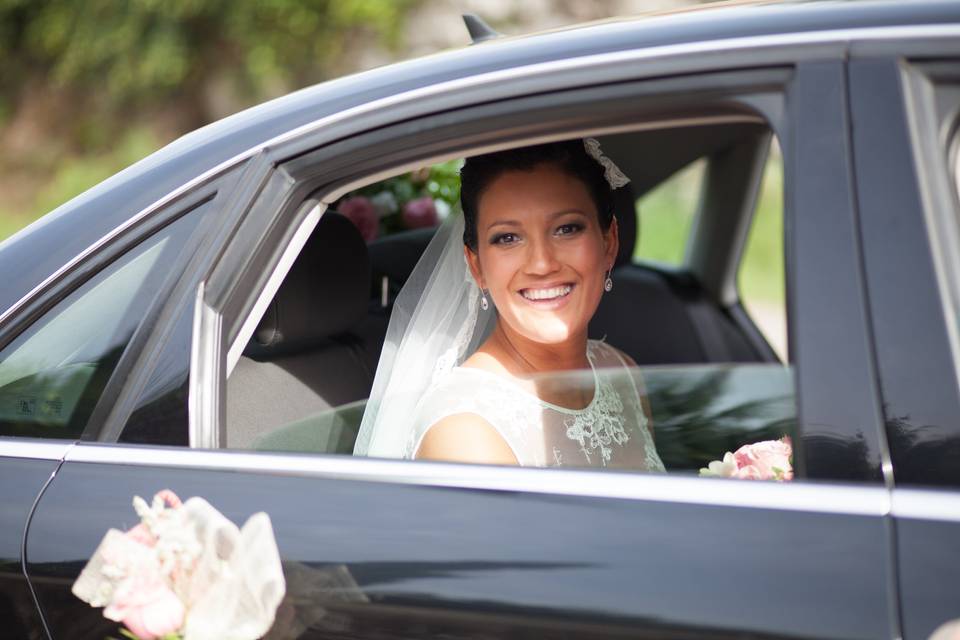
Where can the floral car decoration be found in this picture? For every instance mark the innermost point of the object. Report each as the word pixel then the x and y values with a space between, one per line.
pixel 421 198
pixel 186 572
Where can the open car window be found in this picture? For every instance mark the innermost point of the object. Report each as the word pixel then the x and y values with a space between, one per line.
pixel 710 382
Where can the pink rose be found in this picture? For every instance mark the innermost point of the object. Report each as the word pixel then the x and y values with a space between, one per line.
pixel 767 460
pixel 362 214
pixel 146 605
pixel 170 498
pixel 420 213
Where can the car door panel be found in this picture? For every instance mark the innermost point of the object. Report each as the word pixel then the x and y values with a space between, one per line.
pixel 381 559
pixel 928 550
pixel 25 466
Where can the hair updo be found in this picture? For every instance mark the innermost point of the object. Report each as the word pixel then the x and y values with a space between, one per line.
pixel 570 156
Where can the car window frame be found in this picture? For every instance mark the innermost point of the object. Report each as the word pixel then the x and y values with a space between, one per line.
pixel 297 173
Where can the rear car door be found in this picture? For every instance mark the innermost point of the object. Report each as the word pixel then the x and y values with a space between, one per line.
pixel 905 97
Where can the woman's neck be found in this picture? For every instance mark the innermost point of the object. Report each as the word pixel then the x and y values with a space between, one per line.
pixel 530 357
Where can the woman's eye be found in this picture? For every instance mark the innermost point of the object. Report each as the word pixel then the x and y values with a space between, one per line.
pixel 504 238
pixel 567 229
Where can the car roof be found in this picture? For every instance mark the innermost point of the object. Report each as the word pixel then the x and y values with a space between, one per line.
pixel 37 251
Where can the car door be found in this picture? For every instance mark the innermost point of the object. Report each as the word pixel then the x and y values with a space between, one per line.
pixel 387 548
pixel 904 111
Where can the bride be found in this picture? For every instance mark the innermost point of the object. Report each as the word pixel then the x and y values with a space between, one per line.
pixel 487 358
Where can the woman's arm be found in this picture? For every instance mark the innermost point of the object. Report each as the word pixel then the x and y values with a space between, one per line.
pixel 465 437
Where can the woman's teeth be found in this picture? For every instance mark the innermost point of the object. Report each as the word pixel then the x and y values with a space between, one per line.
pixel 546 294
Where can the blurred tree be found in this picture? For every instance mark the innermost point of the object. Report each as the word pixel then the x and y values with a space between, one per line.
pixel 115 56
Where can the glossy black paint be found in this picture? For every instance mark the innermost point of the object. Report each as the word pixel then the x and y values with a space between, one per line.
pixel 377 559
pixel 836 392
pixel 929 554
pixel 47 245
pixel 21 479
pixel 431 561
pixel 919 382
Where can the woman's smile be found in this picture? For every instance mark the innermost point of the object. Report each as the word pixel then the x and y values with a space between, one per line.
pixel 548 296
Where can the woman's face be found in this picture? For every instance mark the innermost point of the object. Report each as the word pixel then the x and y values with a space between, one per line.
pixel 541 252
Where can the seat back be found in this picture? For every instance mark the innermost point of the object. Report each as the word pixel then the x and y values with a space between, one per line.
pixel 307 354
pixel 657 317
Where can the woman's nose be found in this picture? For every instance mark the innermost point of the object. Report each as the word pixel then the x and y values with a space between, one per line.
pixel 541 257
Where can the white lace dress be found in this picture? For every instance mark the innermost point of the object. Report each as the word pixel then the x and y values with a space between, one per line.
pixel 611 431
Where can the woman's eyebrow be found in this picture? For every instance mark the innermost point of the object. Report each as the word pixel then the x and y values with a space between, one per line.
pixel 503 223
pixel 565 212
pixel 550 216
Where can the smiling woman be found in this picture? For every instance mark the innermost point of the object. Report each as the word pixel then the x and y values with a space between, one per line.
pixel 539 242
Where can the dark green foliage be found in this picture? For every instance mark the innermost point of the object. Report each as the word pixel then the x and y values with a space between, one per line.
pixel 141 50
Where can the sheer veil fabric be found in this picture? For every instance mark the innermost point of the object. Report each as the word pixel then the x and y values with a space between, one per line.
pixel 436 322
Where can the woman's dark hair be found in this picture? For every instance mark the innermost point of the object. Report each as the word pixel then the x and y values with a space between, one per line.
pixel 570 156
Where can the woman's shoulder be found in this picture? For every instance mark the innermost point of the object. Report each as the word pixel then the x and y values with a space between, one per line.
pixel 465 437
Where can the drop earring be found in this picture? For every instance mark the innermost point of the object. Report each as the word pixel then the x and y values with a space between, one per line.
pixel 484 304
pixel 608 283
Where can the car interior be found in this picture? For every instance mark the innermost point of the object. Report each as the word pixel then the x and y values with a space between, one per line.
pixel 303 379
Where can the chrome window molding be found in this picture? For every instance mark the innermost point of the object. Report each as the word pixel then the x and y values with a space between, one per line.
pixel 36 449
pixel 925 504
pixel 801 496
pixel 774 53
pixel 204 394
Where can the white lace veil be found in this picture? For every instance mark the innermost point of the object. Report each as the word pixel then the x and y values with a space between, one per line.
pixel 436 323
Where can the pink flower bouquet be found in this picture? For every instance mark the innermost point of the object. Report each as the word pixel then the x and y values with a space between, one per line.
pixel 767 460
pixel 186 572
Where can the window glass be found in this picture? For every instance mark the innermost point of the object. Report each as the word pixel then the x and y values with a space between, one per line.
pixel 161 415
pixel 52 375
pixel 760 278
pixel 299 392
pixel 665 215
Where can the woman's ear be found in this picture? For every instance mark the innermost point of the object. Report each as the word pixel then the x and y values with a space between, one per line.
pixel 611 240
pixel 473 261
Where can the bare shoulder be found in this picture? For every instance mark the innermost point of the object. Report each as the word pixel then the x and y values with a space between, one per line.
pixel 465 437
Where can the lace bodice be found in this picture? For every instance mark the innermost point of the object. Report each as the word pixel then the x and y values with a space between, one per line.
pixel 611 431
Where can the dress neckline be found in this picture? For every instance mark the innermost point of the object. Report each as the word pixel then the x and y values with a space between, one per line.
pixel 556 407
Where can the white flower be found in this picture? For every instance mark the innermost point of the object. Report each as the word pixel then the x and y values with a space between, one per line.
pixel 385 204
pixel 721 468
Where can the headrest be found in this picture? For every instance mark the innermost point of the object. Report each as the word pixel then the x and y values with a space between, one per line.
pixel 326 292
pixel 625 210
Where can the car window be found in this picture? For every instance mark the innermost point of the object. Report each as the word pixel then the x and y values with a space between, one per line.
pixel 665 215
pixel 704 396
pixel 52 375
pixel 760 278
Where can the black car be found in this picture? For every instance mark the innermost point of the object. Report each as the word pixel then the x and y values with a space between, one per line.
pixel 204 321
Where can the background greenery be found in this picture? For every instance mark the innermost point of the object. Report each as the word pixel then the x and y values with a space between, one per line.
pixel 666 215
pixel 87 88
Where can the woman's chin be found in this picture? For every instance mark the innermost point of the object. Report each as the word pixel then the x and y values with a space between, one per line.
pixel 545 329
